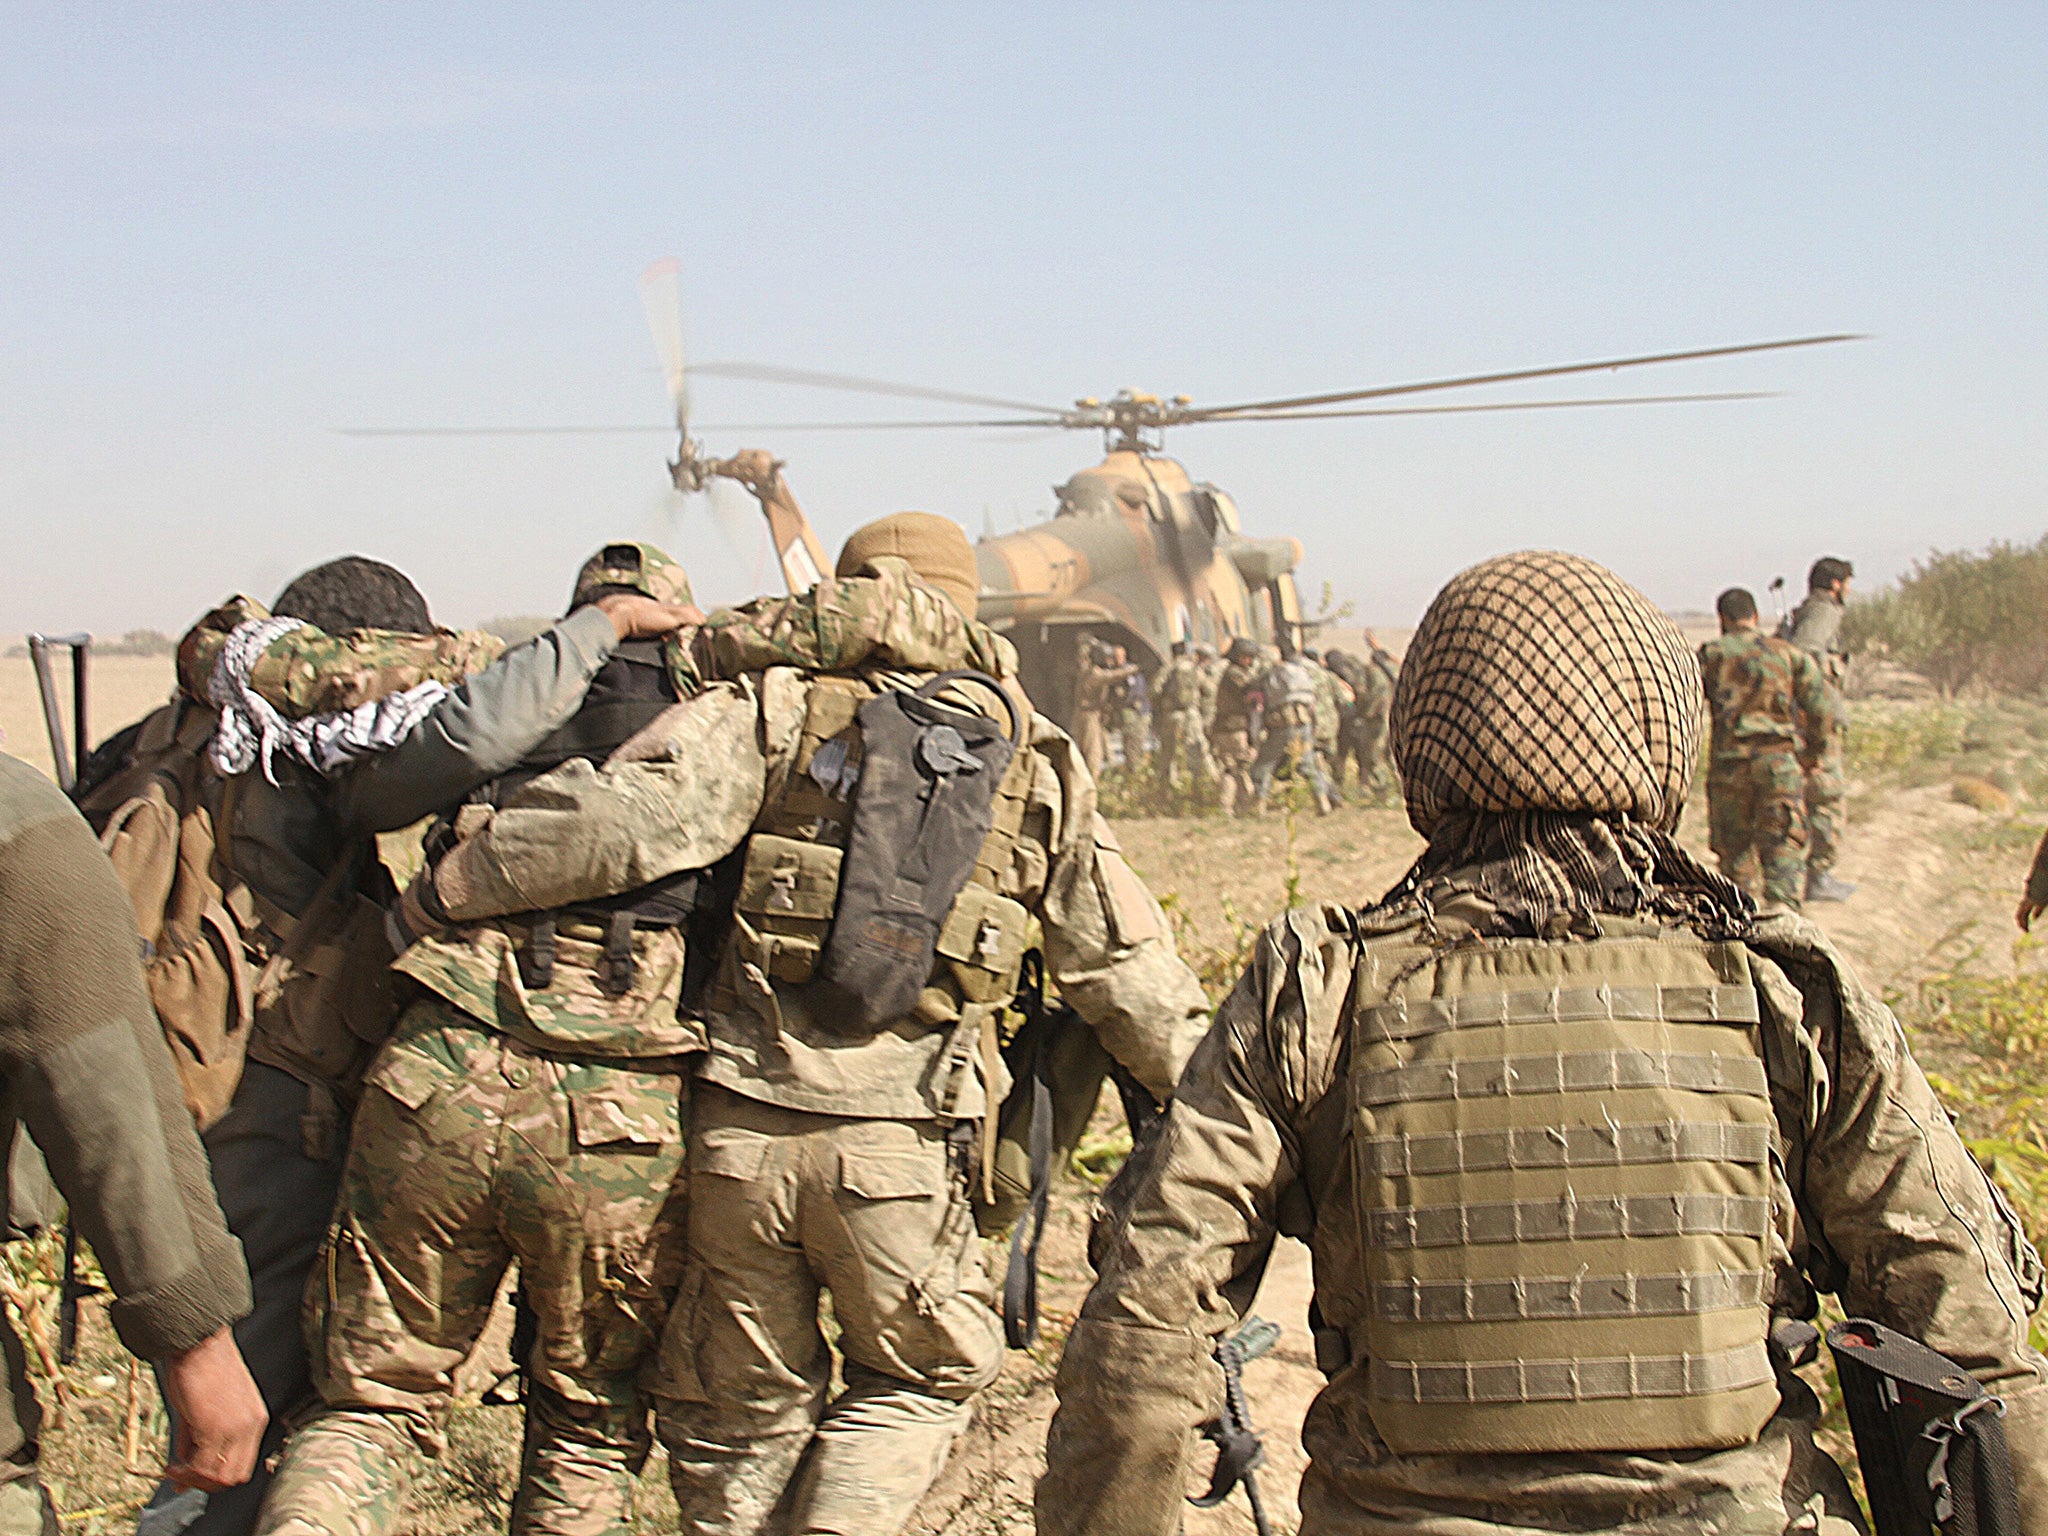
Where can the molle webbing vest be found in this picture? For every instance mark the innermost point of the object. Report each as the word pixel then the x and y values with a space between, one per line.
pixel 790 886
pixel 630 691
pixel 1561 1153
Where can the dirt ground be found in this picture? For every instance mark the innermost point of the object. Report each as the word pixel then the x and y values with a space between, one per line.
pixel 1937 879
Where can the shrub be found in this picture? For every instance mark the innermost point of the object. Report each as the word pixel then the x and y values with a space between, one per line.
pixel 1964 618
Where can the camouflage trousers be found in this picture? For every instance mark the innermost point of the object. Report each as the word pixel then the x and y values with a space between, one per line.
pixel 1183 750
pixel 472 1150
pixel 1234 755
pixel 1756 816
pixel 1292 745
pixel 1360 742
pixel 785 1204
pixel 1827 787
pixel 1091 735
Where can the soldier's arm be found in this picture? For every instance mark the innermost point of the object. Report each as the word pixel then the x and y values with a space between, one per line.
pixel 481 729
pixel 1817 707
pixel 1108 948
pixel 85 1064
pixel 1184 1240
pixel 2034 900
pixel 1911 1231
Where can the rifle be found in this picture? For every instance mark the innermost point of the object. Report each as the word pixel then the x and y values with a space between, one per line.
pixel 69 763
pixel 1928 1437
pixel 1239 1450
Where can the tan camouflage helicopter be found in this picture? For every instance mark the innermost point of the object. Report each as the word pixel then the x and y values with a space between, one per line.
pixel 1138 552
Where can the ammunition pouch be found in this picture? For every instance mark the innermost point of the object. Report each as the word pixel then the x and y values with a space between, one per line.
pixel 1928 1437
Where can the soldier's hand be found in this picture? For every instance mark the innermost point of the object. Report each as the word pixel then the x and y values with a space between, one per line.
pixel 636 616
pixel 219 1413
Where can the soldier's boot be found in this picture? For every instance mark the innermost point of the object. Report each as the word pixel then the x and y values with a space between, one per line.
pixel 344 1473
pixel 1821 885
pixel 578 1466
pixel 881 1444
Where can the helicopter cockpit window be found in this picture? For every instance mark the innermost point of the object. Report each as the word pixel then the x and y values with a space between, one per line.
pixel 1205 508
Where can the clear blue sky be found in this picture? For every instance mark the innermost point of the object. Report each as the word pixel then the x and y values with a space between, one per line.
pixel 226 231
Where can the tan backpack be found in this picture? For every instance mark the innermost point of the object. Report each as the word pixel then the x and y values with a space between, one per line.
pixel 154 812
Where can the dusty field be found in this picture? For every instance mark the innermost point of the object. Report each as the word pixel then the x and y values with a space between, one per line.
pixel 120 691
pixel 1931 920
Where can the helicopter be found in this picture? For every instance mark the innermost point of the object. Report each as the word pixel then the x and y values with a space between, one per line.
pixel 1138 553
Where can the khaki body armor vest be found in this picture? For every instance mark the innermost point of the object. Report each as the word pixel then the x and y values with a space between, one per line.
pixel 1561 1153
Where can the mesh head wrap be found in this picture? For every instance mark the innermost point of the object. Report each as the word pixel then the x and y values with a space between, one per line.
pixel 932 546
pixel 1544 682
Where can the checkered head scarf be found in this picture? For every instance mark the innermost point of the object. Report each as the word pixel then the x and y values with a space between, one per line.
pixel 1546 724
pixel 1542 681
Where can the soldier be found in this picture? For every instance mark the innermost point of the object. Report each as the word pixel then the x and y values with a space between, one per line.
pixel 1516 1338
pixel 1234 726
pixel 84 1066
pixel 432 1193
pixel 1210 666
pixel 1372 686
pixel 1769 711
pixel 1815 626
pixel 1334 701
pixel 1289 690
pixel 352 632
pixel 833 1151
pixel 1131 710
pixel 1183 728
pixel 1092 703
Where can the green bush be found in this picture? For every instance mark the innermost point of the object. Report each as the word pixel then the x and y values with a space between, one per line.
pixel 1964 618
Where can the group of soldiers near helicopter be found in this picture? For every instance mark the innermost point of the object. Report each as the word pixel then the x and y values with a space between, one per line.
pixel 1221 728
pixel 700 1009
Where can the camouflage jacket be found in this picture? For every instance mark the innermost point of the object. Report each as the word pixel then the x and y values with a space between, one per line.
pixel 1108 951
pixel 310 672
pixel 1100 689
pixel 1875 1200
pixel 1333 699
pixel 880 614
pixel 1764 694
pixel 1180 687
pixel 1234 691
pixel 678 797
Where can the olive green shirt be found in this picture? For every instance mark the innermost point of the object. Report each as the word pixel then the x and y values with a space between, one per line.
pixel 84 1066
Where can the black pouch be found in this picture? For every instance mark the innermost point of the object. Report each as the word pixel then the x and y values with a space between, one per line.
pixel 1928 1437
pixel 924 804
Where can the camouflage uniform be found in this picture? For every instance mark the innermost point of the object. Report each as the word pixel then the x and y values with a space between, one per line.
pixel 1258 1143
pixel 1230 728
pixel 1183 731
pixel 826 1162
pixel 514 1114
pixel 1333 703
pixel 1771 713
pixel 1815 626
pixel 1576 1141
pixel 1098 703
pixel 1291 692
pixel 1365 723
pixel 276 1156
pixel 307 671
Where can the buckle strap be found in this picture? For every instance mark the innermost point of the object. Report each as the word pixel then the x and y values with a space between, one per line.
pixel 537 959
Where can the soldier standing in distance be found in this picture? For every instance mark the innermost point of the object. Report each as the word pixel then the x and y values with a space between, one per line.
pixel 1334 700
pixel 1769 710
pixel 1233 725
pixel 1815 626
pixel 1519 1332
pixel 1183 730
pixel 830 1156
pixel 1291 692
pixel 1093 684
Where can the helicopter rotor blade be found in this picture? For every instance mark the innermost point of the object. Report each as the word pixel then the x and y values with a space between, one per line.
pixel 661 295
pixel 1502 405
pixel 742 426
pixel 768 373
pixel 1468 381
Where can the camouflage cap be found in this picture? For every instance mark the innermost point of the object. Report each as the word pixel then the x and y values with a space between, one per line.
pixel 1242 649
pixel 636 567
